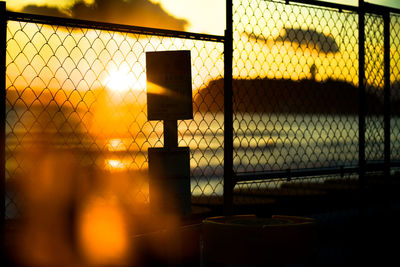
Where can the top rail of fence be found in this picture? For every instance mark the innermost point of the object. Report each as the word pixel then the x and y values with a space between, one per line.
pixel 95 25
pixel 368 7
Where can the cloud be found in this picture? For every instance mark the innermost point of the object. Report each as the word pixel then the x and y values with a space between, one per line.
pixel 324 43
pixel 130 12
pixel 44 10
pixel 309 38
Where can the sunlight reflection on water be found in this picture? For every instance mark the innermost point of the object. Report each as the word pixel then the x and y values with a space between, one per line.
pixel 269 142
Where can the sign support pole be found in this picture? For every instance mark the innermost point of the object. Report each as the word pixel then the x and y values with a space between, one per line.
pixel 170 134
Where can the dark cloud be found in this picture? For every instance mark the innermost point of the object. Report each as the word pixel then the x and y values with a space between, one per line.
pixel 324 43
pixel 130 12
pixel 43 10
pixel 310 38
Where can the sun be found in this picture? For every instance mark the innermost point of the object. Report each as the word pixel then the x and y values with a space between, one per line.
pixel 120 80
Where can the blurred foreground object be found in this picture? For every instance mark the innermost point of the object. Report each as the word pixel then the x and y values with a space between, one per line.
pixel 49 191
pixel 71 215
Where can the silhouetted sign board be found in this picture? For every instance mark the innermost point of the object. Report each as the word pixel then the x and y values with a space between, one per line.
pixel 169 85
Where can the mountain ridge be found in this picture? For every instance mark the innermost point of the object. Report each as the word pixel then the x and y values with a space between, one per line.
pixel 289 96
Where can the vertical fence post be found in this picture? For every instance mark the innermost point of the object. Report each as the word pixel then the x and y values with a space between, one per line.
pixel 228 112
pixel 387 93
pixel 3 41
pixel 361 85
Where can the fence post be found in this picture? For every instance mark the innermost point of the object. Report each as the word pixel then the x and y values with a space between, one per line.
pixel 361 85
pixel 228 112
pixel 3 41
pixel 387 93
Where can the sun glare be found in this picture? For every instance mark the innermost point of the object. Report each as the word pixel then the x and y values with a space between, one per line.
pixel 116 165
pixel 116 145
pixel 120 80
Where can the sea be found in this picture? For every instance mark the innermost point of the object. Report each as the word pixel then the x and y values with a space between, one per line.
pixel 261 143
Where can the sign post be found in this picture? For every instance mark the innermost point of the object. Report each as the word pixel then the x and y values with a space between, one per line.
pixel 169 98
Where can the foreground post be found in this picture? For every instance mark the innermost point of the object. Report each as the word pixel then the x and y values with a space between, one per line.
pixel 228 113
pixel 361 85
pixel 387 93
pixel 3 41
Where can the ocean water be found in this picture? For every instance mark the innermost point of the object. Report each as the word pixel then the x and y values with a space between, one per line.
pixel 262 142
pixel 272 142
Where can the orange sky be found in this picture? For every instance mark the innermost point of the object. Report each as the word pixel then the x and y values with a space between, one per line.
pixel 195 12
pixel 204 16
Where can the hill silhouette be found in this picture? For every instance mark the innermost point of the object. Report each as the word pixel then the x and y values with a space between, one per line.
pixel 287 96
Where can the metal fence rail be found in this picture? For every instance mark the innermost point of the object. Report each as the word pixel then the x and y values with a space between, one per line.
pixel 76 89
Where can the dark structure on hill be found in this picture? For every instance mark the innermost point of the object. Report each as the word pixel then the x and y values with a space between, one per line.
pixel 288 96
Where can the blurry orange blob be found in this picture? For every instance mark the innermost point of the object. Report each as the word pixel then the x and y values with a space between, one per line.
pixel 102 232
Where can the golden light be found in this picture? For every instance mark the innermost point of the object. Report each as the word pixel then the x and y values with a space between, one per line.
pixel 116 165
pixel 103 232
pixel 120 80
pixel 158 90
pixel 116 145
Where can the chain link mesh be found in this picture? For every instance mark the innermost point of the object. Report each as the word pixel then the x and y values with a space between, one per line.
pixel 81 92
pixel 374 70
pixel 296 95
pixel 395 85
pixel 296 78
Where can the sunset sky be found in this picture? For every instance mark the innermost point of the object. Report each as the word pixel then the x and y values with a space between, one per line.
pixel 76 98
pixel 276 58
pixel 204 16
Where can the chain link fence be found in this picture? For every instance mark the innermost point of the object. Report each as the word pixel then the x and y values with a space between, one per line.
pixel 76 92
pixel 395 84
pixel 76 89
pixel 293 66
pixel 296 96
pixel 374 71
